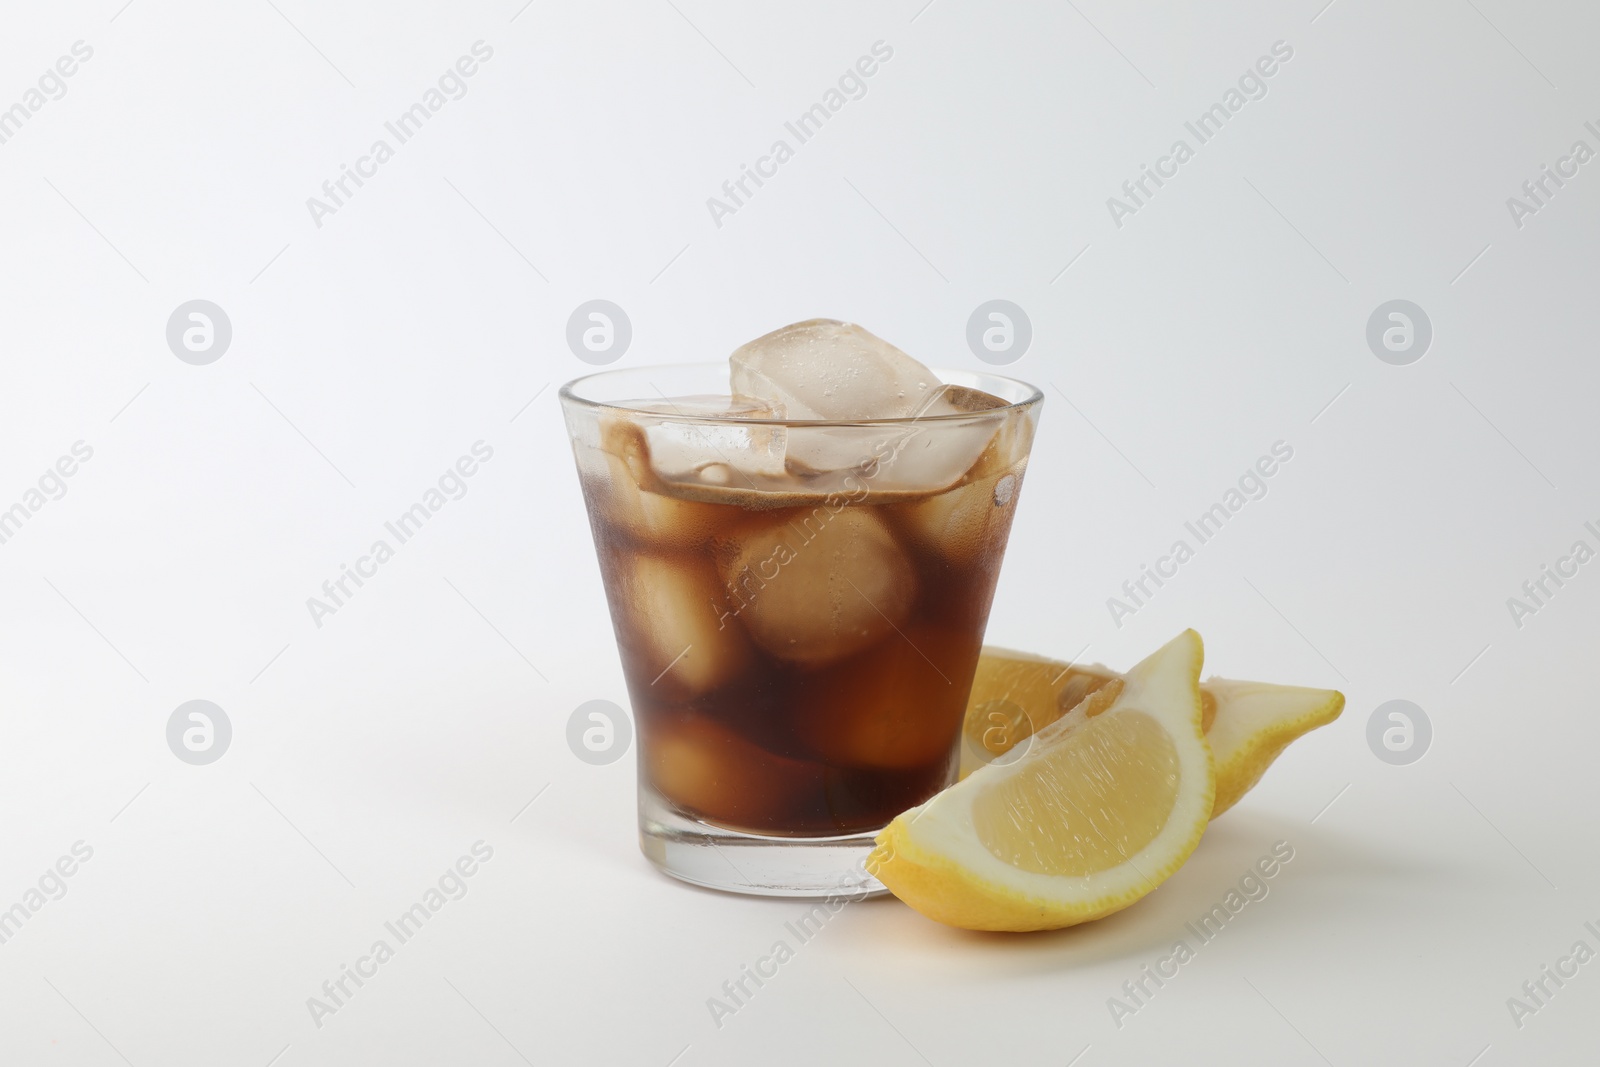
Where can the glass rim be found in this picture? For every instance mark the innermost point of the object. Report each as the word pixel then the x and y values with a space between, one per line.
pixel 568 395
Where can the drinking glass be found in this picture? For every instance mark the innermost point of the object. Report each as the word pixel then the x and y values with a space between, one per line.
pixel 799 608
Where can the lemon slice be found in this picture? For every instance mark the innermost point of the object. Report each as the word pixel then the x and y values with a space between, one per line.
pixel 1248 724
pixel 1102 806
pixel 1255 722
pixel 1016 694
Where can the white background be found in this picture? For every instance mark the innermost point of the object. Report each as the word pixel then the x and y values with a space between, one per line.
pixel 370 352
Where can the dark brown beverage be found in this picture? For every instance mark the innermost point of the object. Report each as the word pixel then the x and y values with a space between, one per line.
pixel 799 645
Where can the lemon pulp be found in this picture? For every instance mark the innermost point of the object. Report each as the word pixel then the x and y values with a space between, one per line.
pixel 1099 797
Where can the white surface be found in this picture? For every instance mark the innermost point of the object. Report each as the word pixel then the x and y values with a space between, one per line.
pixel 370 753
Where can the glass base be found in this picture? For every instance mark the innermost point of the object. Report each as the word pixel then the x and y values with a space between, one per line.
pixel 736 862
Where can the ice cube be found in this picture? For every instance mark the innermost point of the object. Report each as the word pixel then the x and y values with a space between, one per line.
pixel 720 451
pixel 694 446
pixel 673 628
pixel 628 493
pixel 969 523
pixel 818 584
pixel 935 452
pixel 812 451
pixel 909 456
pixel 896 706
pixel 826 369
pixel 836 371
pixel 657 520
pixel 702 766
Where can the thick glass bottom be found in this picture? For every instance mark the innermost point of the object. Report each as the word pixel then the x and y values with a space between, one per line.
pixel 737 862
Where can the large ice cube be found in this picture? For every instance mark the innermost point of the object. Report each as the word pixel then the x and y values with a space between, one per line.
pixel 836 371
pixel 674 630
pixel 817 585
pixel 826 369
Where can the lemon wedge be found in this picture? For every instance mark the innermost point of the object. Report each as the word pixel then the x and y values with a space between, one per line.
pixel 1096 811
pixel 1254 723
pixel 1015 695
pixel 1248 724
